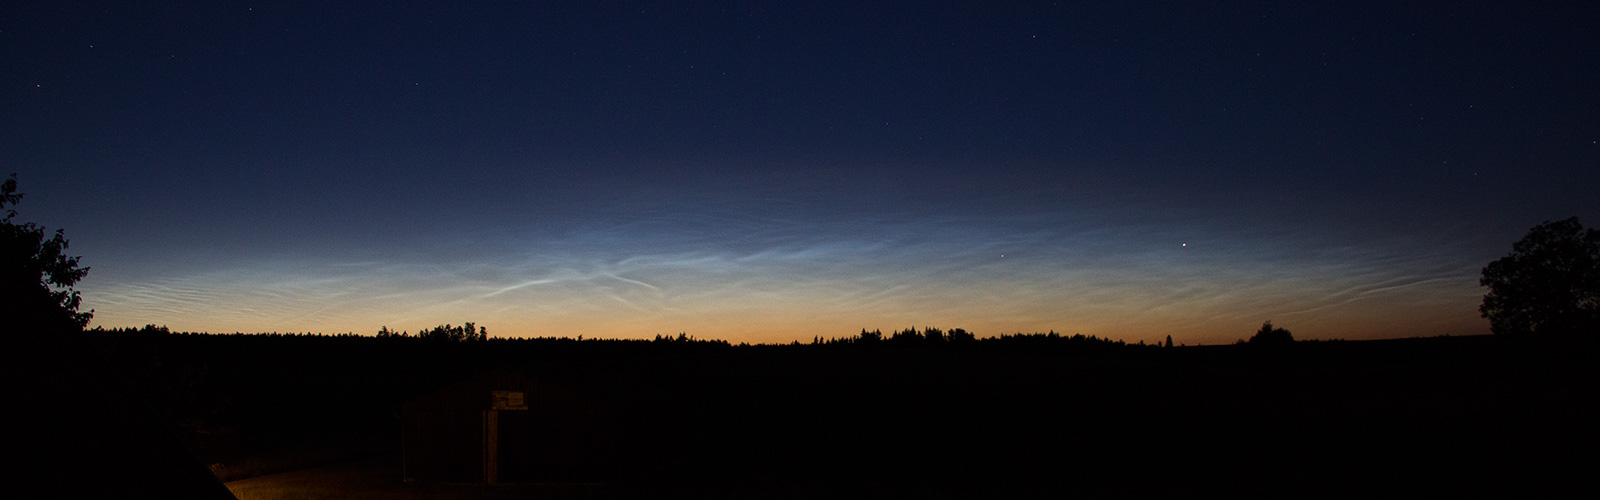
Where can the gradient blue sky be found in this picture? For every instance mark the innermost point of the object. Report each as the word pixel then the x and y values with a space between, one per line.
pixel 765 173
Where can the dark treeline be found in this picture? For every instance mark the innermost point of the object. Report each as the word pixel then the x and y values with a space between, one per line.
pixel 928 337
pixel 467 332
pixel 959 338
pixel 163 330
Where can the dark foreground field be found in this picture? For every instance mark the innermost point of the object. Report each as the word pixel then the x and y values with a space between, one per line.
pixel 1420 417
pixel 378 478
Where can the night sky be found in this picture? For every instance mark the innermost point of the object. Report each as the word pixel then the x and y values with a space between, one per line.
pixel 766 173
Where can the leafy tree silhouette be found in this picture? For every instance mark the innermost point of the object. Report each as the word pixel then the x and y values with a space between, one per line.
pixel 448 333
pixel 1549 284
pixel 1269 335
pixel 36 278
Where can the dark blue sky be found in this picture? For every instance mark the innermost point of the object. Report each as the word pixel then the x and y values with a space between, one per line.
pixel 766 172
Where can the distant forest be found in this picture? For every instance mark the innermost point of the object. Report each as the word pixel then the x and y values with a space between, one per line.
pixel 927 337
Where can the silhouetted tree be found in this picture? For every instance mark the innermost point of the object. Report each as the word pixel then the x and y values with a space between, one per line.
pixel 1548 285
pixel 874 337
pixel 36 278
pixel 1269 335
pixel 448 333
pixel 906 337
pixel 1169 341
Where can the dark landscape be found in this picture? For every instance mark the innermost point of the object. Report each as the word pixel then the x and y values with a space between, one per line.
pixel 906 417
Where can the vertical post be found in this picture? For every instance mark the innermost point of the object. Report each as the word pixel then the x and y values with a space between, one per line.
pixel 405 452
pixel 491 444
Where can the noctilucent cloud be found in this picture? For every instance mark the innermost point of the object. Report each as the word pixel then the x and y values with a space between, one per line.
pixel 763 173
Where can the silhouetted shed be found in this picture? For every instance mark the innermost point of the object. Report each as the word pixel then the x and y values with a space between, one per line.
pixel 503 427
